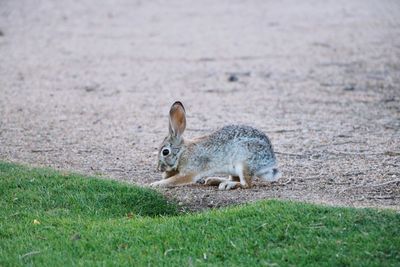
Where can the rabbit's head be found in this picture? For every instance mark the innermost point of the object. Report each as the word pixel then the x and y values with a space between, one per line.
pixel 172 146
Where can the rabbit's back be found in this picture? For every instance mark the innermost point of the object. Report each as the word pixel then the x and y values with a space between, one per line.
pixel 236 143
pixel 238 132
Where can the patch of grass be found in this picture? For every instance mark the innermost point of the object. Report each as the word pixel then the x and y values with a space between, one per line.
pixel 41 192
pixel 48 218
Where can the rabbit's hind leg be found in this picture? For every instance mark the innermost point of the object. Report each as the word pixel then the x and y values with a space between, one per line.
pixel 242 179
pixel 228 185
pixel 244 175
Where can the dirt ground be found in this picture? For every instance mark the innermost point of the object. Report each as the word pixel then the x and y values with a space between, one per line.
pixel 86 86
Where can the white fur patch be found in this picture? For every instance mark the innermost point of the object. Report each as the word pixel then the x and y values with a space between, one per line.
pixel 228 185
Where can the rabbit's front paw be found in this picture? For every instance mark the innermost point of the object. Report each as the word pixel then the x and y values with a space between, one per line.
pixel 161 183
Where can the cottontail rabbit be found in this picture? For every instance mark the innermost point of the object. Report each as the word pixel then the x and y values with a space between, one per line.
pixel 241 152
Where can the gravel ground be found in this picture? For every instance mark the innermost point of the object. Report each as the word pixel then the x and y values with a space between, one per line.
pixel 86 86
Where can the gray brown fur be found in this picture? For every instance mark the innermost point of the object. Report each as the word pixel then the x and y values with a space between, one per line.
pixel 230 144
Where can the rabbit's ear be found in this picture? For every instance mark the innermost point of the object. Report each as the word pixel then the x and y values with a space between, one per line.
pixel 177 119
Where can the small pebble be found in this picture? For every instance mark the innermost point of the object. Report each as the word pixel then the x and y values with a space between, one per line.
pixel 233 78
pixel 349 88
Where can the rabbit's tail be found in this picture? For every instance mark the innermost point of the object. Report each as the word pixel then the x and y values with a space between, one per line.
pixel 269 174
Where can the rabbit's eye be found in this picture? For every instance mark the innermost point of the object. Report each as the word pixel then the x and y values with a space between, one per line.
pixel 166 151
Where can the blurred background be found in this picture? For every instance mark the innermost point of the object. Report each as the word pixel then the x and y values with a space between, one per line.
pixel 86 86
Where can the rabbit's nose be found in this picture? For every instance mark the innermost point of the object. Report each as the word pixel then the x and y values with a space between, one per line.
pixel 160 167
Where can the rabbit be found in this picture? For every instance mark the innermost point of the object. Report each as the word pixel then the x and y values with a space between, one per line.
pixel 242 152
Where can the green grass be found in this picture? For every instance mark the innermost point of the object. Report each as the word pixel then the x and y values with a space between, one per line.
pixel 86 221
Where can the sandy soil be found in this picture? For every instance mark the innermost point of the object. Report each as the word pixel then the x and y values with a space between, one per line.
pixel 86 86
